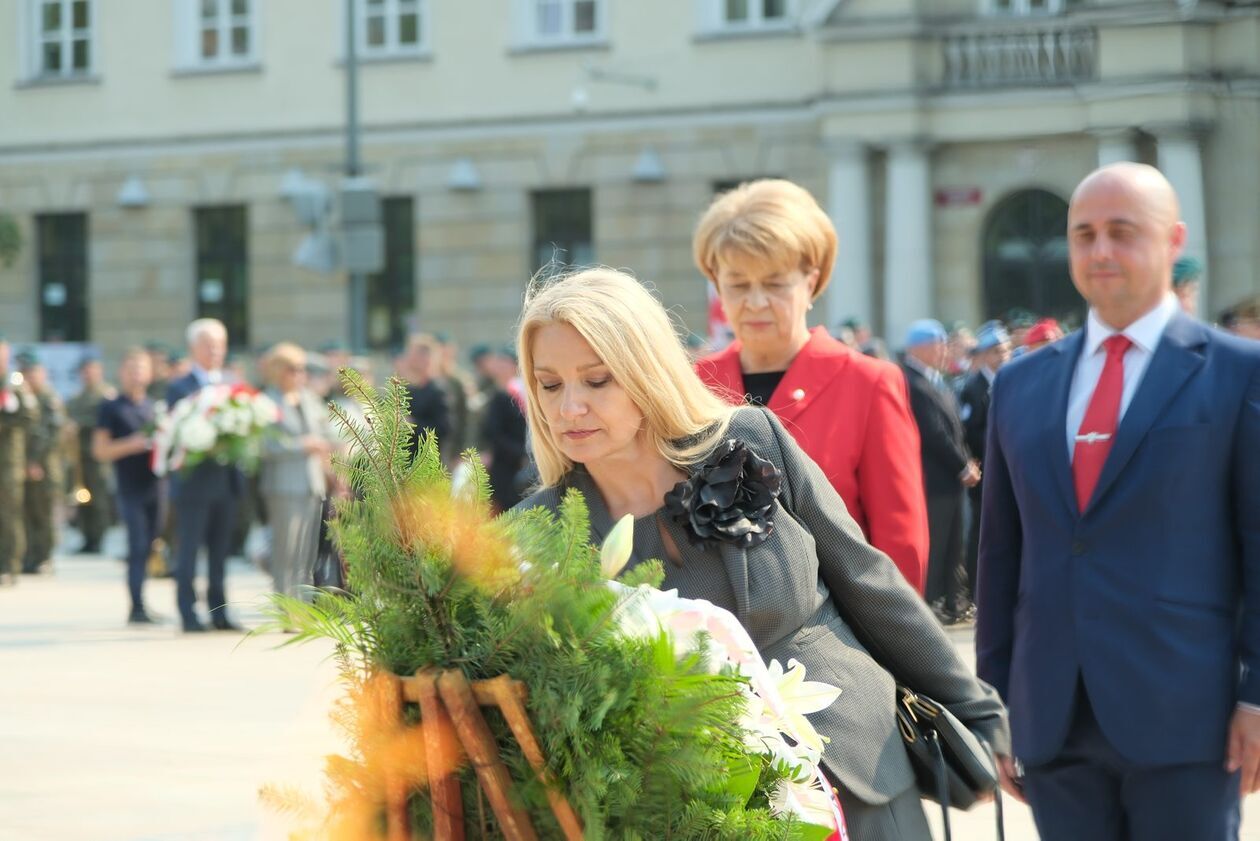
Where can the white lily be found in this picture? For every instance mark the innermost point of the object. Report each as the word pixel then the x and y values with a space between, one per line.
pixel 800 698
pixel 808 801
pixel 615 553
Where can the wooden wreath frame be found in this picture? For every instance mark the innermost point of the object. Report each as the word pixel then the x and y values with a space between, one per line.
pixel 447 699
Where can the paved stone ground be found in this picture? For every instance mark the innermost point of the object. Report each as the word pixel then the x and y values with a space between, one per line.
pixel 109 733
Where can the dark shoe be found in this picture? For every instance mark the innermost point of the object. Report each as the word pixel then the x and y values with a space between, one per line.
pixel 193 626
pixel 222 623
pixel 140 617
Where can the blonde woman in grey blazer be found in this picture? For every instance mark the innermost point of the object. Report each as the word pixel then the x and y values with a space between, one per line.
pixel 740 516
pixel 293 477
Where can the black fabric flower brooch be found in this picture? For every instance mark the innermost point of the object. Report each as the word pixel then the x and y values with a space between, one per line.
pixel 728 499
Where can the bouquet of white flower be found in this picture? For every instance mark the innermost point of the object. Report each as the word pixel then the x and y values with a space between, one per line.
pixel 220 423
pixel 777 702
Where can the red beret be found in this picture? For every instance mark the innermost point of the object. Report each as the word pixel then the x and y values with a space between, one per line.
pixel 1045 330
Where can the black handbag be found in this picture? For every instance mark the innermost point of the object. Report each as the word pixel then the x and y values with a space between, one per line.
pixel 951 764
pixel 329 570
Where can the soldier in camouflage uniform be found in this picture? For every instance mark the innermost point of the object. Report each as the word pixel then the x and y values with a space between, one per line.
pixel 96 514
pixel 45 474
pixel 18 411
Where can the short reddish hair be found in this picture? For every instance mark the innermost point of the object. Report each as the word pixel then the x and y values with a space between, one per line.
pixel 768 219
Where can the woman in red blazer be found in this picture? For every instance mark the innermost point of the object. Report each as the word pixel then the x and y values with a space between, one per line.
pixel 769 248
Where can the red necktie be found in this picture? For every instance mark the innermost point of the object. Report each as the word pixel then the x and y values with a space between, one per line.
pixel 1093 441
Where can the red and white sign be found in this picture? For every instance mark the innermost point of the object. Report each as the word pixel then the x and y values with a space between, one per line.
pixel 958 196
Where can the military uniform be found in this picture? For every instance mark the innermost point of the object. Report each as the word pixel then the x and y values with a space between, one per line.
pixel 43 450
pixel 18 412
pixel 95 515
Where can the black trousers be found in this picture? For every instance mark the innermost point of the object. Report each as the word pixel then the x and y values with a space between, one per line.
pixel 945 544
pixel 139 510
pixel 1090 792
pixel 202 521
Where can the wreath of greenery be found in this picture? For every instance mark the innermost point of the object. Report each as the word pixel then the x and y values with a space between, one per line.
pixel 643 742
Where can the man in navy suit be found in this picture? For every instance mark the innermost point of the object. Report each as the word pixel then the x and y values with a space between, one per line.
pixel 205 500
pixel 1119 602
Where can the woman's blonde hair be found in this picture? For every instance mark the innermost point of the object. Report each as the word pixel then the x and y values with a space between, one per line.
pixel 283 355
pixel 631 333
pixel 769 219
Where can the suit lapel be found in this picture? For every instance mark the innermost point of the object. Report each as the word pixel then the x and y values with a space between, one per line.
pixel 1176 358
pixel 1059 387
pixel 723 372
pixel 813 368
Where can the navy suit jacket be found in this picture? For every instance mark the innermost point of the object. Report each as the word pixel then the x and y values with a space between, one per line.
pixel 206 481
pixel 1151 597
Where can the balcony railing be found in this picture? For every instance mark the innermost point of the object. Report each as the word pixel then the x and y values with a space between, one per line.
pixel 1002 58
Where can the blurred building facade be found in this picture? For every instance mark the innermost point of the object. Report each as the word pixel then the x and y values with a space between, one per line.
pixel 147 149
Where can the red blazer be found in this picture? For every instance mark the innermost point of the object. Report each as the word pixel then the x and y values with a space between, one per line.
pixel 851 414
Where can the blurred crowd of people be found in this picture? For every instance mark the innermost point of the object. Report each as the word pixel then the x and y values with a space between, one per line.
pixel 87 461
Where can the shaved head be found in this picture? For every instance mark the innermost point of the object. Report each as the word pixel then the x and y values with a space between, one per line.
pixel 1124 234
pixel 1143 181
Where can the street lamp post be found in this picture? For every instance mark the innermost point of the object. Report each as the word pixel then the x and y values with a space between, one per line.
pixel 357 279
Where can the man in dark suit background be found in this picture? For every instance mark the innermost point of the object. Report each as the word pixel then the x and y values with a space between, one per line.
pixel 992 351
pixel 427 409
pixel 204 500
pixel 1119 610
pixel 948 467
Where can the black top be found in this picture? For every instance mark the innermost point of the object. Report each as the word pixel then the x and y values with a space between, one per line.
pixel 121 417
pixel 428 411
pixel 503 434
pixel 760 387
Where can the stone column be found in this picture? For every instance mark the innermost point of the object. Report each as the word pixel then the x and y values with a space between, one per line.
pixel 1181 161
pixel 849 206
pixel 908 289
pixel 1115 144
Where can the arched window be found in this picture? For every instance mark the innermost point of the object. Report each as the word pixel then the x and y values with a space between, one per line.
pixel 1026 258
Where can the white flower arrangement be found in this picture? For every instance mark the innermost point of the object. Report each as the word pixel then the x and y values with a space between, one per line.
pixel 220 423
pixel 778 700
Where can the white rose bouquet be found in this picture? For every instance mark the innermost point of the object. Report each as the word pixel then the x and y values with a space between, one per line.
pixel 220 423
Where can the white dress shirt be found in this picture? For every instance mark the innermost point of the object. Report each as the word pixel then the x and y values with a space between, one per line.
pixel 1144 333
pixel 207 377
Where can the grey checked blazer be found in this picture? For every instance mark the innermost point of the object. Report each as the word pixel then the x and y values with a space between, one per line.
pixel 286 468
pixel 816 591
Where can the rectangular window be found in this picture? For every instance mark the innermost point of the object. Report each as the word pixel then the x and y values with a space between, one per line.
pixel 560 22
pixel 562 228
pixel 1023 8
pixel 62 38
pixel 61 243
pixel 725 185
pixel 392 291
pixel 751 15
pixel 222 269
pixel 224 32
pixel 393 27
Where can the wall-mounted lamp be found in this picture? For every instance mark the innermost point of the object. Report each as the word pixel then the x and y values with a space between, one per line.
pixel 649 168
pixel 293 183
pixel 133 193
pixel 463 177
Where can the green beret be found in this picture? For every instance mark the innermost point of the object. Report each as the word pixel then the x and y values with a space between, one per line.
pixel 1186 270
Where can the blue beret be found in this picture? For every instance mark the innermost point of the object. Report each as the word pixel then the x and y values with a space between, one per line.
pixel 925 331
pixel 990 335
